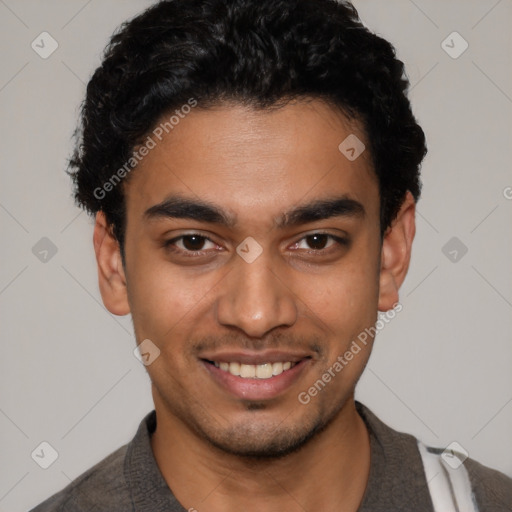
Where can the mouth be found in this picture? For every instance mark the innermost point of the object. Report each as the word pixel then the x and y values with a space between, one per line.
pixel 256 377
pixel 254 371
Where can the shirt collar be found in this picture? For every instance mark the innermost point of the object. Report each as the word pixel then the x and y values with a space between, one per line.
pixel 149 490
pixel 396 470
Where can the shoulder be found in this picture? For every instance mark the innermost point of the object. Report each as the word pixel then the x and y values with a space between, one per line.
pixel 493 489
pixel 103 483
pixel 470 483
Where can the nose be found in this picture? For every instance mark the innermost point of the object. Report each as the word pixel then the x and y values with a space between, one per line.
pixel 256 298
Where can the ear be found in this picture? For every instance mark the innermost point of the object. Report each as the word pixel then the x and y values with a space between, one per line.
pixel 111 276
pixel 396 253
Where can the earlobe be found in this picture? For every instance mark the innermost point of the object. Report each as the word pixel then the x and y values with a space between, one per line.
pixel 111 275
pixel 396 253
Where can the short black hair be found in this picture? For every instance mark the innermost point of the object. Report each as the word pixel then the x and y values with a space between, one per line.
pixel 259 53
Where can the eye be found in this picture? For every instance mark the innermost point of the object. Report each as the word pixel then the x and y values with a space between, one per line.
pixel 319 242
pixel 191 244
pixel 194 244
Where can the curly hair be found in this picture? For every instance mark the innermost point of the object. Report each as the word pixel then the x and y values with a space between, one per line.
pixel 260 53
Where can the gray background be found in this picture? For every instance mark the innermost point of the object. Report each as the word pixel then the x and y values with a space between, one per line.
pixel 440 370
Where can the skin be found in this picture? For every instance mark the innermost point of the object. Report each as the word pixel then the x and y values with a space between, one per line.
pixel 255 165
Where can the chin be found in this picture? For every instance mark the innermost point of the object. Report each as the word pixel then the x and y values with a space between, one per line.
pixel 254 440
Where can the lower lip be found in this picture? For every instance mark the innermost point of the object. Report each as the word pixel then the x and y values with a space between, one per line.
pixel 257 389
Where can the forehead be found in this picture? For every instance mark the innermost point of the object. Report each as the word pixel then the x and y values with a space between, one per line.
pixel 255 164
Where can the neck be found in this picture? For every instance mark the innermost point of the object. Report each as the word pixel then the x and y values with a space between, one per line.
pixel 329 473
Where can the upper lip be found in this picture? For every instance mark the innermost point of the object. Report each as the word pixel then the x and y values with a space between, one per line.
pixel 255 358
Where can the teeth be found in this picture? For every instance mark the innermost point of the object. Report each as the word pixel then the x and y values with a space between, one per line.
pixel 277 368
pixel 264 371
pixel 233 368
pixel 247 371
pixel 254 371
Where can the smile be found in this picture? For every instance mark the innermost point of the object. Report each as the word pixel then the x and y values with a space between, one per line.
pixel 254 371
pixel 256 375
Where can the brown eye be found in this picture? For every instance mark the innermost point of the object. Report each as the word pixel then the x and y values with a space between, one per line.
pixel 193 242
pixel 317 241
pixel 320 242
pixel 189 244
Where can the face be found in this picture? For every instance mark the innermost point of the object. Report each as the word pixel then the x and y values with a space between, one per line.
pixel 253 260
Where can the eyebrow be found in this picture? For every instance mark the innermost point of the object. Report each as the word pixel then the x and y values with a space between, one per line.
pixel 179 207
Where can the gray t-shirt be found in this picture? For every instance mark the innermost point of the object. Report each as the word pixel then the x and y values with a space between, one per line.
pixel 128 480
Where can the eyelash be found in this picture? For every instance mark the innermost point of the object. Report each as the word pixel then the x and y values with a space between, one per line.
pixel 169 244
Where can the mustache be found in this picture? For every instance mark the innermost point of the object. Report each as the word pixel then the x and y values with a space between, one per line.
pixel 277 341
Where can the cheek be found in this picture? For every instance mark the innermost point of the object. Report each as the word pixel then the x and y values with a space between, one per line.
pixel 160 297
pixel 346 297
pixel 348 307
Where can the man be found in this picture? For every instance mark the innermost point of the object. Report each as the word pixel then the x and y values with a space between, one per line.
pixel 253 166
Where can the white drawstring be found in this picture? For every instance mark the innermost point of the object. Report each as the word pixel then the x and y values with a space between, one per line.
pixel 450 489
